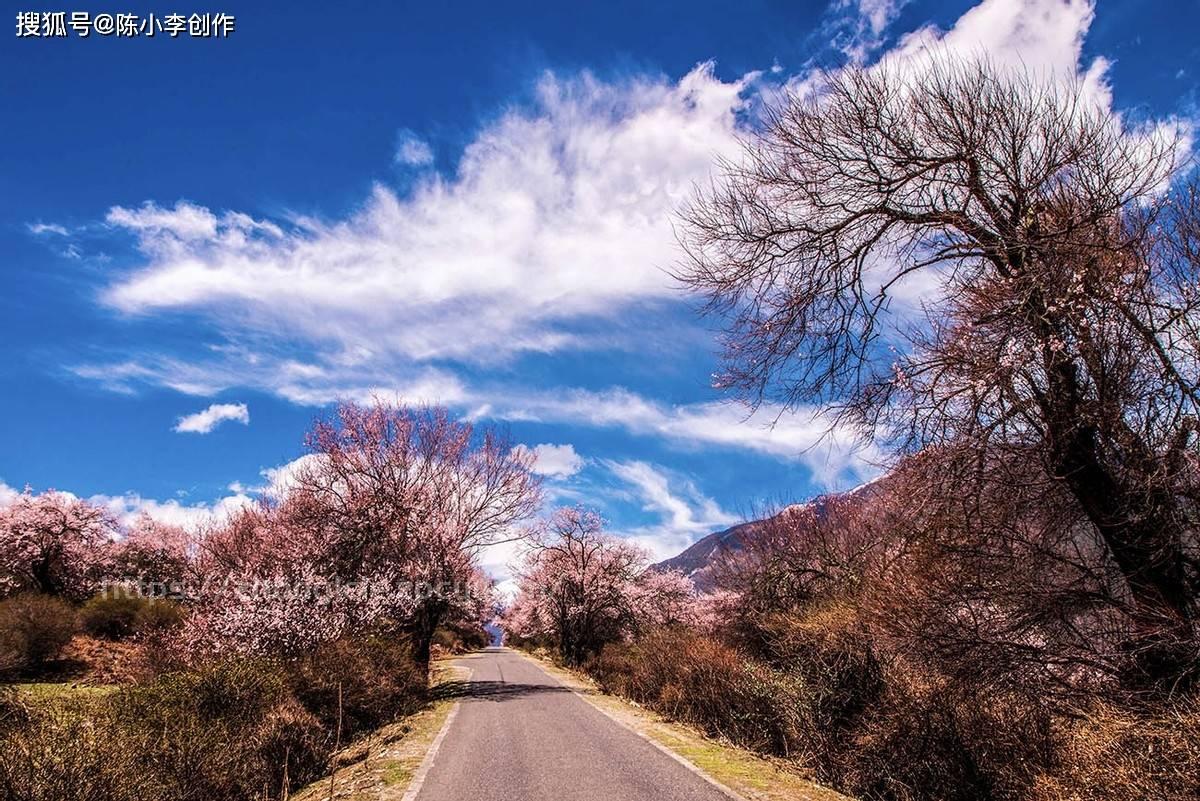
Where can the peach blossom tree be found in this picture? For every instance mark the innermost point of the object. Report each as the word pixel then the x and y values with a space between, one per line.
pixel 54 543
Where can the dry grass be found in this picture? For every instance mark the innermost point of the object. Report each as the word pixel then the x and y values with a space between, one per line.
pixel 1112 755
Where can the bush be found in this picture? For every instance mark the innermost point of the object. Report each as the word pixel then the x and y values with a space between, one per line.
pixel 233 729
pixel 874 732
pixel 111 615
pixel 924 741
pixel 70 748
pixel 378 678
pixel 33 630
pixel 158 617
pixel 117 615
pixel 227 730
pixel 459 639
pixel 1115 755
pixel 693 679
pixel 224 731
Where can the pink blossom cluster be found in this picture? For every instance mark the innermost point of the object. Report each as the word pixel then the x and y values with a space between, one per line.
pixel 582 587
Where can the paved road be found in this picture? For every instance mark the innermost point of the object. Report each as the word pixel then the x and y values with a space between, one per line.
pixel 520 735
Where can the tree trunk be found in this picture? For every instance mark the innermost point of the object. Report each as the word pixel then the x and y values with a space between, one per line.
pixel 424 624
pixel 1145 541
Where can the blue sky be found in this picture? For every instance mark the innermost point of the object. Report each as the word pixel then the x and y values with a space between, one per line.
pixel 459 203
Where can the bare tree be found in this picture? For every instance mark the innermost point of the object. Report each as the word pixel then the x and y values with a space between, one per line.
pixel 1059 319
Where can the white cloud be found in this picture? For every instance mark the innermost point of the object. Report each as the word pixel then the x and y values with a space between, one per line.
pixel 685 513
pixel 835 456
pixel 555 214
pixel 204 421
pixel 127 508
pixel 879 14
pixel 555 461
pixel 861 33
pixel 412 150
pixel 40 229
pixel 1040 35
pixel 282 478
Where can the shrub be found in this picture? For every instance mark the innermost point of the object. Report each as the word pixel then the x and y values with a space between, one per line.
pixel 117 615
pixel 457 639
pixel 158 617
pixel 377 676
pixel 693 679
pixel 70 751
pixel 231 729
pixel 228 730
pixel 833 655
pixel 876 732
pixel 926 741
pixel 1116 755
pixel 111 615
pixel 33 630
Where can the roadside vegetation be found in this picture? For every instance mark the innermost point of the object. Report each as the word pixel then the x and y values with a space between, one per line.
pixel 1010 611
pixel 237 662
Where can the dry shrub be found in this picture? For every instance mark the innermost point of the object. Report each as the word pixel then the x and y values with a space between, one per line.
pixel 928 741
pixel 1116 755
pixel 33 631
pixel 66 752
pixel 228 730
pixel 879 732
pixel 232 729
pixel 699 681
pixel 831 651
pixel 461 638
pixel 117 615
pixel 378 677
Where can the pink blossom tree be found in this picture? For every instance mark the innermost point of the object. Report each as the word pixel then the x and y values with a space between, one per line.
pixel 154 554
pixel 381 524
pixel 54 543
pixel 583 588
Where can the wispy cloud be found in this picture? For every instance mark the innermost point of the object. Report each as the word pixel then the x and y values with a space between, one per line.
pixel 42 229
pixel 858 27
pixel 834 455
pixel 205 420
pixel 555 214
pixel 684 513
pixel 412 150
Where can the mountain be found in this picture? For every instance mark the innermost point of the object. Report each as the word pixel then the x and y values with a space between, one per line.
pixel 699 560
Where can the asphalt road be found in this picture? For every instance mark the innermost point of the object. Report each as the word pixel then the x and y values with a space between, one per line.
pixel 520 735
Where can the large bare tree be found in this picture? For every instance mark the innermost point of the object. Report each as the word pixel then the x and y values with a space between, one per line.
pixel 1056 272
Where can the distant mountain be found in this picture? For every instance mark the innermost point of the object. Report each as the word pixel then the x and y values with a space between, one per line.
pixel 698 562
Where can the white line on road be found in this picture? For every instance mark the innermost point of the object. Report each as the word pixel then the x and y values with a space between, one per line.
pixel 418 779
pixel 678 758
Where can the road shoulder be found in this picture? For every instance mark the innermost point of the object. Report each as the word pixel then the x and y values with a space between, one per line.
pixel 386 764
